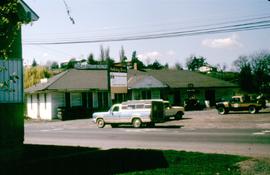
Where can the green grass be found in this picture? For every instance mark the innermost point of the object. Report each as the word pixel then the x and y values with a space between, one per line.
pixel 47 159
pixel 180 162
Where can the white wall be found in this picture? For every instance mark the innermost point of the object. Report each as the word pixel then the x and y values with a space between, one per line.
pixel 45 108
pixel 32 107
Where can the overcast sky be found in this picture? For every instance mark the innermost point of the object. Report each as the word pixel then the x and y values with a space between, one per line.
pixel 103 19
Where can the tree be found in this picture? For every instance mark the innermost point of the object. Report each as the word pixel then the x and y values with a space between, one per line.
pixel 254 72
pixel 71 63
pixel 135 60
pixel 54 65
pixel 178 66
pixel 193 63
pixel 91 59
pixel 260 63
pixel 246 78
pixel 34 63
pixel 102 54
pixel 156 65
pixel 122 55
pixel 33 75
pixel 241 62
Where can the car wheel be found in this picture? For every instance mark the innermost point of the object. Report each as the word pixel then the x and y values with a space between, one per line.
pixel 136 123
pixel 222 110
pixel 178 116
pixel 100 123
pixel 252 110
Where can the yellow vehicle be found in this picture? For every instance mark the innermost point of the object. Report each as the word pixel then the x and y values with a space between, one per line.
pixel 239 103
pixel 173 111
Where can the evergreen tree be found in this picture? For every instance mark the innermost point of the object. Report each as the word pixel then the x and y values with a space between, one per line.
pixel 91 59
pixel 34 63
pixel 135 60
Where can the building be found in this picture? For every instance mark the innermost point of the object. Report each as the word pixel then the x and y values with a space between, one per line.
pixel 11 74
pixel 177 86
pixel 78 92
pixel 90 88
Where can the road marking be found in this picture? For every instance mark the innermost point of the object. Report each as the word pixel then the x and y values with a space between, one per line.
pixel 53 129
pixel 263 132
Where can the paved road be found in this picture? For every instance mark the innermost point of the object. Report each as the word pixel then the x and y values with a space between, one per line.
pixel 199 131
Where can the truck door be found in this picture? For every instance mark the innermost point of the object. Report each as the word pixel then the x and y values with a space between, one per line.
pixel 115 115
pixel 235 103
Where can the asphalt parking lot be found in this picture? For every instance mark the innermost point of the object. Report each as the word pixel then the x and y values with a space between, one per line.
pixel 238 133
pixel 191 120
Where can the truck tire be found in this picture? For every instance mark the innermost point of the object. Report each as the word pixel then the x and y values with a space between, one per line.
pixel 178 116
pixel 100 123
pixel 136 122
pixel 252 109
pixel 222 110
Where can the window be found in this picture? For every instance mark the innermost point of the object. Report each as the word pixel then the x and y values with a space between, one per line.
pixel 116 109
pixel 45 100
pixel 147 106
pixel 146 94
pixel 31 101
pixel 139 106
pixel 131 106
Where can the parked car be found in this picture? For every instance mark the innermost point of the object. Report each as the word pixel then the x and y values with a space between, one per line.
pixel 173 111
pixel 240 103
pixel 135 112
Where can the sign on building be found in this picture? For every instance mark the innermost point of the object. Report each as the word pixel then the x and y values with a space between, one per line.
pixel 118 80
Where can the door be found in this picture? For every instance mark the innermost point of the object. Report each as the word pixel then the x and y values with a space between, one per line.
pixel 114 116
pixel 210 96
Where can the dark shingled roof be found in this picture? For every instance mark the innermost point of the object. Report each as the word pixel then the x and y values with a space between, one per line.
pixel 74 79
pixel 181 78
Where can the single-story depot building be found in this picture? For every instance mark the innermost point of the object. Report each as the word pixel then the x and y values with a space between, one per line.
pixel 82 91
pixel 177 86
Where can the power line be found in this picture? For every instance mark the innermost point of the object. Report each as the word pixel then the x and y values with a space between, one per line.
pixel 252 25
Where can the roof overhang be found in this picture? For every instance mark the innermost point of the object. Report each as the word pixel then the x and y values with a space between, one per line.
pixel 29 12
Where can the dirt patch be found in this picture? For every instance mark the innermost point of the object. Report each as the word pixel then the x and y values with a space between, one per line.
pixel 258 166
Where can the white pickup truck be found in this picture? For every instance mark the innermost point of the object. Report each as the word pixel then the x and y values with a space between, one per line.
pixel 135 112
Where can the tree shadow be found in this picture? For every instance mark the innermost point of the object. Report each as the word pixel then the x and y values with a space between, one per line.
pixel 246 112
pixel 48 159
pixel 156 126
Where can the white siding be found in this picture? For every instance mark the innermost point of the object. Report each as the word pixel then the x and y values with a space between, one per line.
pixel 45 108
pixel 58 100
pixel 15 92
pixel 76 99
pixel 32 110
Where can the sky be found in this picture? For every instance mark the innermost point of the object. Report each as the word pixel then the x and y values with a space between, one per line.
pixel 106 19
